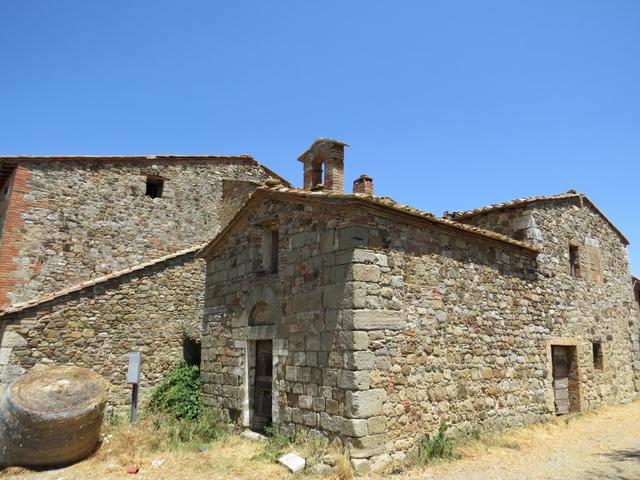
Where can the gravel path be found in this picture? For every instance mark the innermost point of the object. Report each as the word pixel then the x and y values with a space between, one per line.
pixel 601 445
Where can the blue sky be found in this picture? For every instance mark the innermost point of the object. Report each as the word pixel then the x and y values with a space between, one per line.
pixel 448 105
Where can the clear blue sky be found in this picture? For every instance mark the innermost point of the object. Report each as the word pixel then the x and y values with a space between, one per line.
pixel 448 105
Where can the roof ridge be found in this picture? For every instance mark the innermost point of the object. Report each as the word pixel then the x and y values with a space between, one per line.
pixel 385 202
pixel 509 203
pixel 149 156
pixel 465 214
pixel 47 297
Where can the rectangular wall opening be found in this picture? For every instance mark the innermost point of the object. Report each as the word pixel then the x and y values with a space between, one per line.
pixel 155 186
pixel 566 385
pixel 574 260
pixel 270 250
pixel 598 362
pixel 260 385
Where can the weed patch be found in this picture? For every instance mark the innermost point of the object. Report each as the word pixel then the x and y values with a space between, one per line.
pixel 277 444
pixel 437 446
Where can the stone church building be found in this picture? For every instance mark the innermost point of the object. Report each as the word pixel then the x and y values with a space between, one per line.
pixel 355 317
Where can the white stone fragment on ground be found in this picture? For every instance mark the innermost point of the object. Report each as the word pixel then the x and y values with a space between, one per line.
pixel 293 462
pixel 251 435
pixel 157 463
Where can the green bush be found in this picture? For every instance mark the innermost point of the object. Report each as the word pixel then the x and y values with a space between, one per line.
pixel 436 446
pixel 179 395
pixel 178 413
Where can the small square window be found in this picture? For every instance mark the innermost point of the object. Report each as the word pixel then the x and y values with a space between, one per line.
pixel 597 355
pixel 574 260
pixel 155 185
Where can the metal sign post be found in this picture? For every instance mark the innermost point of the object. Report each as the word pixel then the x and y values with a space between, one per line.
pixel 133 377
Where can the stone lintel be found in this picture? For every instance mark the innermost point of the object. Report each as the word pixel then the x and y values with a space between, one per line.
pixel 261 332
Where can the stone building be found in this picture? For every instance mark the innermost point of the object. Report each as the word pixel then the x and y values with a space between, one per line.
pixel 355 317
pixel 97 257
pixel 636 289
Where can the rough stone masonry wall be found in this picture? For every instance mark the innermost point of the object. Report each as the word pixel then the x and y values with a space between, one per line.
pixel 79 219
pixel 321 362
pixel 449 322
pixel 474 349
pixel 595 307
pixel 97 327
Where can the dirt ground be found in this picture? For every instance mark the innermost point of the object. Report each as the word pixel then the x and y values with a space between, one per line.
pixel 603 444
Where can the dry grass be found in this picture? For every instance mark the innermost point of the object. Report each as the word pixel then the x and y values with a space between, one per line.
pixel 124 446
pixel 230 457
pixel 523 438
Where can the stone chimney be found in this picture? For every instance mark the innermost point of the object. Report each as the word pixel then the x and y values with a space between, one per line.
pixel 363 184
pixel 324 156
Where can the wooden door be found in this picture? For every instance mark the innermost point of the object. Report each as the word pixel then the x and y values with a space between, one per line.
pixel 263 385
pixel 561 368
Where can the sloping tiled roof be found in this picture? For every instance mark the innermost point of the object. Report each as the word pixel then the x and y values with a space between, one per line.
pixel 168 156
pixel 385 203
pixel 520 202
pixel 18 307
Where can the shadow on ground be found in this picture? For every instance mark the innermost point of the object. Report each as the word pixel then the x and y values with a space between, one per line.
pixel 626 466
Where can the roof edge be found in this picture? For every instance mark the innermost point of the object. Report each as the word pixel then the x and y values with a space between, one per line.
pixel 161 156
pixel 366 200
pixel 19 307
pixel 519 202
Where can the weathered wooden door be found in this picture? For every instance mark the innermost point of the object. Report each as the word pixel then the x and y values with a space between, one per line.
pixel 263 385
pixel 561 367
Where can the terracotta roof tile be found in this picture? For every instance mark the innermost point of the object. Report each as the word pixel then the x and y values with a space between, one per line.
pixel 520 202
pixel 384 202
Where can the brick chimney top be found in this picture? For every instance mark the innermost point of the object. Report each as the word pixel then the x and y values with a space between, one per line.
pixel 326 157
pixel 363 184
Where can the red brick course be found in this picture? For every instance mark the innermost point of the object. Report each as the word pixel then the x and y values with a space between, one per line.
pixel 12 232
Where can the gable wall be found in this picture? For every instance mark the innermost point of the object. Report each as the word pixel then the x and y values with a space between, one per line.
pixel 306 296
pixel 600 301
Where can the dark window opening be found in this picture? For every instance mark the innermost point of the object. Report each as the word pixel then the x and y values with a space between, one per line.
pixel 597 355
pixel 155 185
pixel 574 260
pixel 191 351
pixel 270 250
pixel 274 251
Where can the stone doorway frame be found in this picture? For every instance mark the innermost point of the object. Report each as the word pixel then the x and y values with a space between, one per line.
pixel 253 334
pixel 575 382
